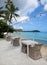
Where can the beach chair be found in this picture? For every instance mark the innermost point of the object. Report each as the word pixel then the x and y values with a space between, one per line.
pixel 34 52
pixel 16 41
pixel 8 38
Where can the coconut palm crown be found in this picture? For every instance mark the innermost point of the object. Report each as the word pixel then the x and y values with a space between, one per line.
pixel 11 10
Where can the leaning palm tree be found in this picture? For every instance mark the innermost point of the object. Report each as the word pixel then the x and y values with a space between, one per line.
pixel 10 11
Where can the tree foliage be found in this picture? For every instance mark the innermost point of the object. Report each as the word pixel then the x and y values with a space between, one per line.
pixel 11 11
pixel 4 27
pixel 7 14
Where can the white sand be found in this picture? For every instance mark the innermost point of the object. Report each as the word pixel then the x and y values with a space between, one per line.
pixel 10 55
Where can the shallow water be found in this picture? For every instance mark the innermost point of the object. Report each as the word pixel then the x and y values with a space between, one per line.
pixel 38 36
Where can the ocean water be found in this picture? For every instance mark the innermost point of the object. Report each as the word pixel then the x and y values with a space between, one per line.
pixel 40 37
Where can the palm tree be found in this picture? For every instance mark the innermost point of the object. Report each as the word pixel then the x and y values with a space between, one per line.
pixel 11 11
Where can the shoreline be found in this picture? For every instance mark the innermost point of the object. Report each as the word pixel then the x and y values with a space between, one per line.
pixel 41 37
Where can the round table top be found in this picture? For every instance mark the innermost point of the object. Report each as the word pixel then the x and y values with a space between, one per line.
pixel 29 42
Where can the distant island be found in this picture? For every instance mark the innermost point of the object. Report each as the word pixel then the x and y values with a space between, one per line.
pixel 35 31
pixel 32 31
pixel 20 30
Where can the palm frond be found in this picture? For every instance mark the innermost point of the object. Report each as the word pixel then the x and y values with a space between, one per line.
pixel 1 7
pixel 16 15
pixel 16 9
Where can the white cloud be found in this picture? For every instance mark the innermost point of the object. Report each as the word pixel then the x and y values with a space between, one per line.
pixel 43 1
pixel 18 27
pixel 26 6
pixel 30 6
pixel 22 19
pixel 13 19
pixel 45 7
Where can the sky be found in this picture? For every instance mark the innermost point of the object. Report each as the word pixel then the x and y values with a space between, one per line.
pixel 30 17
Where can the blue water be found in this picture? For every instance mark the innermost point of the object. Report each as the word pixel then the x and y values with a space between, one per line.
pixel 37 36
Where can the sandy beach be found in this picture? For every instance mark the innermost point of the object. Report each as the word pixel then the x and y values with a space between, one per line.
pixel 10 55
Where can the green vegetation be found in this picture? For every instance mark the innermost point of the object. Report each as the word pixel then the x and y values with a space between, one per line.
pixel 7 15
pixel 19 30
pixel 32 31
pixel 35 31
pixel 4 27
pixel 11 11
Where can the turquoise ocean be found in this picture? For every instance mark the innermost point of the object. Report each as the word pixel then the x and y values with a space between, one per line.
pixel 40 37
